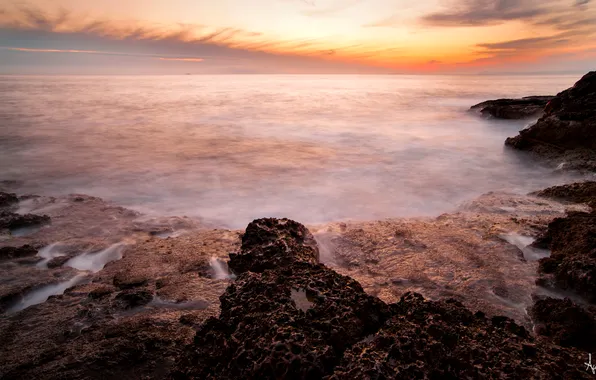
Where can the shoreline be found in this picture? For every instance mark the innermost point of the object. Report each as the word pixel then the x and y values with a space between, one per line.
pixel 91 289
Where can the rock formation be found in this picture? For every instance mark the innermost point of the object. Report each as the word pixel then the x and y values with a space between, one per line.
pixel 302 320
pixel 572 263
pixel 512 109
pixel 566 132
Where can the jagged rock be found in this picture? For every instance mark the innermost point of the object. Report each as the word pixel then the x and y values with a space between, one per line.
pixel 567 131
pixel 565 322
pixel 572 263
pixel 305 321
pixel 274 243
pixel 8 199
pixel 289 323
pixel 443 340
pixel 12 221
pixel 579 192
pixel 9 253
pixel 526 107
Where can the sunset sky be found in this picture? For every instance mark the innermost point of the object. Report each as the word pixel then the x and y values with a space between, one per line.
pixel 296 36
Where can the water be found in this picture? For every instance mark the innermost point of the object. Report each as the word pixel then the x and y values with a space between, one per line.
pixel 233 148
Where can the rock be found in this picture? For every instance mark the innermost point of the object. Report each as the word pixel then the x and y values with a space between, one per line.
pixel 443 340
pixel 263 331
pixel 302 320
pixel 523 108
pixel 274 243
pixel 129 299
pixel 8 199
pixel 565 322
pixel 101 291
pixel 9 253
pixel 13 221
pixel 126 280
pixel 579 192
pixel 567 132
pixel 572 263
pixel 57 262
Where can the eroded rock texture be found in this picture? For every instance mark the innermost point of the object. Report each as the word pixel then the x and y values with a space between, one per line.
pixel 572 263
pixel 567 131
pixel 579 192
pixel 272 244
pixel 565 322
pixel 302 320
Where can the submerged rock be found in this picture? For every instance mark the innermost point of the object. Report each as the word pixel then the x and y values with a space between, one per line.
pixel 565 322
pixel 526 107
pixel 567 131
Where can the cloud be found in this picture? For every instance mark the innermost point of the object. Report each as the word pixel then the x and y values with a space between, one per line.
pixel 486 12
pixel 525 43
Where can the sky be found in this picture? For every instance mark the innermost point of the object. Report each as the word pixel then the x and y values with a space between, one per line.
pixel 296 36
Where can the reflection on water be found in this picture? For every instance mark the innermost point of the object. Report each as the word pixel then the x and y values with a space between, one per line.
pixel 233 148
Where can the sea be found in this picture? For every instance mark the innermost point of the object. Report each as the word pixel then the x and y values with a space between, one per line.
pixel 231 148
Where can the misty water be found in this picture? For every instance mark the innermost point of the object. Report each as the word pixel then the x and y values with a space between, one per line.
pixel 233 148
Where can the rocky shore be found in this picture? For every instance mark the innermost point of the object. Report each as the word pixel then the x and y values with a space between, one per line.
pixel 502 287
pixel 513 109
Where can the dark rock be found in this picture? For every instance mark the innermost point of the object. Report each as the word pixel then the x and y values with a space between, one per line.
pixel 579 192
pixel 443 340
pixel 8 199
pixel 572 263
pixel 527 107
pixel 304 321
pixel 568 130
pixel 565 322
pixel 57 262
pixel 274 243
pixel 9 253
pixel 129 299
pixel 262 331
pixel 13 221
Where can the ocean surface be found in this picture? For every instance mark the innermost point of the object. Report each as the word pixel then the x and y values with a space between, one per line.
pixel 229 149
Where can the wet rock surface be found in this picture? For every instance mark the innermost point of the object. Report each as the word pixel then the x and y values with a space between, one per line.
pixel 566 133
pixel 512 109
pixel 565 322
